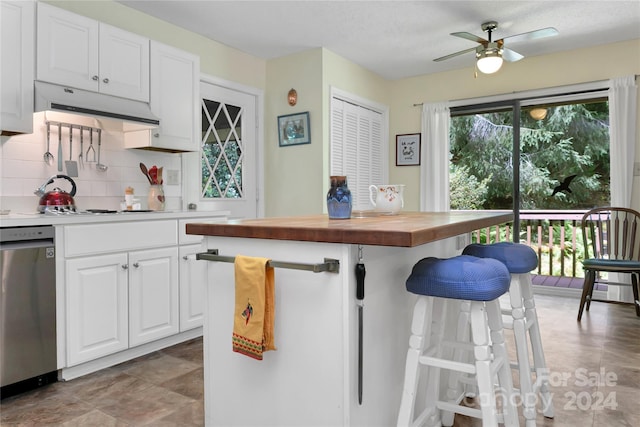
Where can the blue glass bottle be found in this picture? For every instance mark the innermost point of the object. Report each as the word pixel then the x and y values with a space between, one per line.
pixel 339 200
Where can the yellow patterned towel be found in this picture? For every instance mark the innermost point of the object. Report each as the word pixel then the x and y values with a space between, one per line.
pixel 254 311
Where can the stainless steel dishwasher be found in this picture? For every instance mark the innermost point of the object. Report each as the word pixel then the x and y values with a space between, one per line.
pixel 27 309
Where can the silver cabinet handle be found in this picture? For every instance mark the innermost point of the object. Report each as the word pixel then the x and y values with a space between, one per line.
pixel 136 265
pixel 156 135
pixel 94 78
pixel 105 80
pixel 125 266
pixel 186 258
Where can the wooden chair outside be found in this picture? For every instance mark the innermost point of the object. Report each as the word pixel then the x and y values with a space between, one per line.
pixel 611 239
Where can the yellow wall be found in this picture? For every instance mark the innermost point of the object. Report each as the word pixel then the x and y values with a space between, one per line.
pixel 297 177
pixel 564 68
pixel 293 173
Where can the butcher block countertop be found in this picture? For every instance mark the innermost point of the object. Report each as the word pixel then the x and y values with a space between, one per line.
pixel 407 229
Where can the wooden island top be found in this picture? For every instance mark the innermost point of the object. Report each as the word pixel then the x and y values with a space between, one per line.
pixel 407 229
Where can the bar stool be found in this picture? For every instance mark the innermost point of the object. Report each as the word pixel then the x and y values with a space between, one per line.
pixel 520 260
pixel 439 282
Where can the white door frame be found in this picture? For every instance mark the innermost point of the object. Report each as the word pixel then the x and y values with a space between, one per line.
pixel 191 180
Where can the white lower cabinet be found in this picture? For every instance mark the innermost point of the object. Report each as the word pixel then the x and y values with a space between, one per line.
pixel 97 307
pixel 133 287
pixel 153 295
pixel 193 278
pixel 120 301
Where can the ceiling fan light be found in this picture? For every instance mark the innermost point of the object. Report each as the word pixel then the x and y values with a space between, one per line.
pixel 489 63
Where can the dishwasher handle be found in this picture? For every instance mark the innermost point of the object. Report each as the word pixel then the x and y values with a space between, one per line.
pixel 26 244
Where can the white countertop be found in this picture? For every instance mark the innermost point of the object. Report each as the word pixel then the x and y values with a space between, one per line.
pixel 33 218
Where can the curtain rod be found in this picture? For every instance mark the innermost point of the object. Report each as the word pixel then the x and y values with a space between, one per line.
pixel 533 94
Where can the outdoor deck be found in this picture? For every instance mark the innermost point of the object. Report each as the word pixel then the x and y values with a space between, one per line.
pixel 562 282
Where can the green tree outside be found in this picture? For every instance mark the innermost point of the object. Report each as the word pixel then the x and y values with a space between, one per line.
pixel 573 139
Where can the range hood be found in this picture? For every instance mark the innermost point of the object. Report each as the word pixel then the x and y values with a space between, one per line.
pixel 133 115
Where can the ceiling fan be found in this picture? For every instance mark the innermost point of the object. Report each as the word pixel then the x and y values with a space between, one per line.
pixel 490 53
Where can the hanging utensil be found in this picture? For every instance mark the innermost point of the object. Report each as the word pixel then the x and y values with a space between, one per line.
pixel 59 147
pixel 99 165
pixel 71 165
pixel 360 273
pixel 145 172
pixel 80 158
pixel 48 157
pixel 91 149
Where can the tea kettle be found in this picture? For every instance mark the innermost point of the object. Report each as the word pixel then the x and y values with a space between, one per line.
pixel 56 200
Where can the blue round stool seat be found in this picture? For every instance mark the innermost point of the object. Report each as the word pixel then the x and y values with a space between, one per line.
pixel 517 257
pixel 463 277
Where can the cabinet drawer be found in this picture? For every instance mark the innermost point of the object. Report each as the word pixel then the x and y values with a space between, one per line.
pixel 90 239
pixel 185 238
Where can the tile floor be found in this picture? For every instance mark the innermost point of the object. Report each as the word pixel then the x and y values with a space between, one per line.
pixel 595 373
pixel 164 388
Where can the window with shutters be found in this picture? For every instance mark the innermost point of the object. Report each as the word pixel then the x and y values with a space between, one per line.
pixel 359 147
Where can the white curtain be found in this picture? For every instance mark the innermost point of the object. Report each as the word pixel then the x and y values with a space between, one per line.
pixel 434 158
pixel 622 133
pixel 622 117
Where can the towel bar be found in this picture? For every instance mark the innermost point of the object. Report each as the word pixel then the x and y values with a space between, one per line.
pixel 329 265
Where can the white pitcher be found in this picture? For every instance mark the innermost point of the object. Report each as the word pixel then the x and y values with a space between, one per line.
pixel 387 198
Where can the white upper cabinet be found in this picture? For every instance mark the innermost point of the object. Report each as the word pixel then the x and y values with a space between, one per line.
pixel 17 53
pixel 175 97
pixel 83 53
pixel 124 63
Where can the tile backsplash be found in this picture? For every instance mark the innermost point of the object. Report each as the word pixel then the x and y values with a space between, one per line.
pixel 23 169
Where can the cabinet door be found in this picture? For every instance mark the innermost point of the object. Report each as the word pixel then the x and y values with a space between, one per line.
pixel 175 97
pixel 193 279
pixel 124 63
pixel 67 48
pixel 153 295
pixel 97 311
pixel 17 65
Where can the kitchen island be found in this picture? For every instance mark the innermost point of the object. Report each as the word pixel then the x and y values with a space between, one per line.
pixel 313 376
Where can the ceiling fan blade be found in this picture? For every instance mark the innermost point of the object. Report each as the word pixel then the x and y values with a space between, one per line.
pixel 442 58
pixel 532 35
pixel 510 55
pixel 471 37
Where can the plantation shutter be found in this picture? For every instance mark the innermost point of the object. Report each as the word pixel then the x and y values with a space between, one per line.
pixel 356 149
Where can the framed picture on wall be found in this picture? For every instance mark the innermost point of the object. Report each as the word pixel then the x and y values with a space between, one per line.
pixel 293 129
pixel 408 149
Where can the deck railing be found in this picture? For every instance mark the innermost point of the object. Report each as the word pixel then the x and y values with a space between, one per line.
pixel 556 237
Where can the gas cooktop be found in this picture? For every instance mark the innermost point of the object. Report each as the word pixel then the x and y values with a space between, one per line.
pixel 51 210
pixel 107 211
